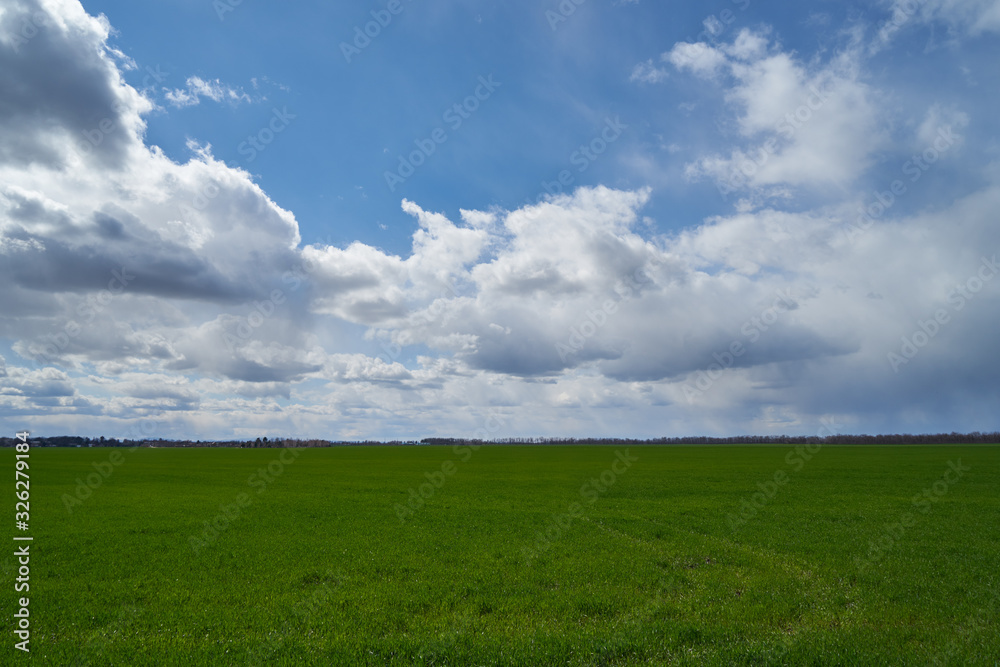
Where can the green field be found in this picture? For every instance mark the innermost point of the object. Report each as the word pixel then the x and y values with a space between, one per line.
pixel 846 563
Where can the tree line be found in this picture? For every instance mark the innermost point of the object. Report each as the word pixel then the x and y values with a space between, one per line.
pixel 975 437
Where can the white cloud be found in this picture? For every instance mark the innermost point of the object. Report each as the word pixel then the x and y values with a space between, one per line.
pixel 701 58
pixel 803 126
pixel 748 45
pixel 100 215
pixel 938 117
pixel 963 17
pixel 647 72
pixel 198 88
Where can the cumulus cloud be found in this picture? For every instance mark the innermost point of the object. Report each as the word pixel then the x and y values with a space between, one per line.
pixel 61 87
pixel 93 221
pixel 801 125
pixel 365 285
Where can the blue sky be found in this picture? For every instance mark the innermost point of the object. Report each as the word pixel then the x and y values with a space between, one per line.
pixel 706 265
pixel 353 120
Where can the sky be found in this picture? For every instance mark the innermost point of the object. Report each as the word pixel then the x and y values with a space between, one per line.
pixel 414 218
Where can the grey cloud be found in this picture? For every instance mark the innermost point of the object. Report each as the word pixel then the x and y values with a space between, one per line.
pixel 43 384
pixel 59 86
pixel 647 361
pixel 252 371
pixel 165 270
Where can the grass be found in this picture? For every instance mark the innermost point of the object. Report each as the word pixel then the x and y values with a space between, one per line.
pixel 319 568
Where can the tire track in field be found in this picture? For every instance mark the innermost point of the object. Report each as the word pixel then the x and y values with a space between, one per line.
pixel 817 587
pixel 786 636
